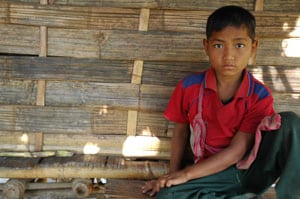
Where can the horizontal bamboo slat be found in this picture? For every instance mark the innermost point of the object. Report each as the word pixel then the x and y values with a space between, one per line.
pixel 19 39
pixel 166 4
pixel 92 93
pixel 61 68
pixel 281 78
pixel 135 45
pixel 127 19
pixel 282 6
pixel 98 120
pixel 151 98
pixel 269 24
pixel 17 92
pixel 125 45
pixel 81 167
pixel 118 145
pixel 69 17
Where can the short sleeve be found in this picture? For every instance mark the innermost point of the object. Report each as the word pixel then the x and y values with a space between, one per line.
pixel 176 110
pixel 256 113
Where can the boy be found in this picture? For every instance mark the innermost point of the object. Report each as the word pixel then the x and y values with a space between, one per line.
pixel 220 109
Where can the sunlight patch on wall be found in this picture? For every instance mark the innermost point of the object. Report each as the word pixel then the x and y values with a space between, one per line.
pixel 295 96
pixel 24 138
pixel 90 148
pixel 291 46
pixel 103 110
pixel 141 146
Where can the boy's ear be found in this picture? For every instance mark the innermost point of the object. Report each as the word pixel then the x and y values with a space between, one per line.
pixel 252 60
pixel 205 45
pixel 255 44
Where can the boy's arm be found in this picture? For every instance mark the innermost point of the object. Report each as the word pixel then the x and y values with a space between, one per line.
pixel 240 144
pixel 178 145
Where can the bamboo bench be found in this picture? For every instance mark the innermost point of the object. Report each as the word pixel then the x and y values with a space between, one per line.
pixel 77 170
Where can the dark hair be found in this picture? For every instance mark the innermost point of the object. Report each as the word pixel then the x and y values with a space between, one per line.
pixel 231 16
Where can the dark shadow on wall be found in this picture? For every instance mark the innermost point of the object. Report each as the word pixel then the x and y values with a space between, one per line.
pixel 286 78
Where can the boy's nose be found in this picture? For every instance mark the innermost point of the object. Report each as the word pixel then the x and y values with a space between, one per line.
pixel 229 53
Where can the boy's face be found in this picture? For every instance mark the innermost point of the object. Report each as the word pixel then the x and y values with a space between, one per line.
pixel 229 50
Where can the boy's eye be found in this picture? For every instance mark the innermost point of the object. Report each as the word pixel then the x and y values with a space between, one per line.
pixel 218 46
pixel 240 45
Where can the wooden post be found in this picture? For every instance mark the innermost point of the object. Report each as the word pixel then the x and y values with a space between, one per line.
pixel 137 73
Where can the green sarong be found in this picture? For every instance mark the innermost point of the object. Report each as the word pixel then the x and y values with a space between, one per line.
pixel 278 158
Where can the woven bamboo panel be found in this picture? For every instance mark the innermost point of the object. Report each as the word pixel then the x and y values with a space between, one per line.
pixel 99 73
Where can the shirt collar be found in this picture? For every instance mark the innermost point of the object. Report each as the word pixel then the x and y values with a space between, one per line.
pixel 244 90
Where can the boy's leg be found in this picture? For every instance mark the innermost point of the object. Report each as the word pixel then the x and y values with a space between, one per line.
pixel 278 156
pixel 218 186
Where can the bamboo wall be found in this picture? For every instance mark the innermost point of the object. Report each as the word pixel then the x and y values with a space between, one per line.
pixel 97 74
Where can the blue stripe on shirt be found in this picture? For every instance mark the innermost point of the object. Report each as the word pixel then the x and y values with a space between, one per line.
pixel 261 91
pixel 193 79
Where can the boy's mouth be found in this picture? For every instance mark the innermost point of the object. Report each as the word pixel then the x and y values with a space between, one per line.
pixel 229 66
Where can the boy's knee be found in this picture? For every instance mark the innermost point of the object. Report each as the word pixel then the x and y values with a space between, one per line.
pixel 290 125
pixel 289 119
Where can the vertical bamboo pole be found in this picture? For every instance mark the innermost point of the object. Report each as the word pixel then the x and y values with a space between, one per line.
pixel 41 84
pixel 137 73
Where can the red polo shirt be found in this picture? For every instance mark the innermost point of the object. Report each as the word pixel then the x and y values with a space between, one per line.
pixel 251 103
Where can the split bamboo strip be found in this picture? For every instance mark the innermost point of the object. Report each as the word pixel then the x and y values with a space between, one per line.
pixel 259 5
pixel 144 19
pixel 41 87
pixel 43 41
pixel 132 122
pixel 63 69
pixel 137 73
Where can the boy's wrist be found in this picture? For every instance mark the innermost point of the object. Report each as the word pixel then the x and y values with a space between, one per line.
pixel 187 172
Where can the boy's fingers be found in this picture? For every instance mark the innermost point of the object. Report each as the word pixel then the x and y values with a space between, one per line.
pixel 148 186
pixel 162 182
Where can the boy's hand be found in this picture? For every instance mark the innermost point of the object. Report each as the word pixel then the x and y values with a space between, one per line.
pixel 153 186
